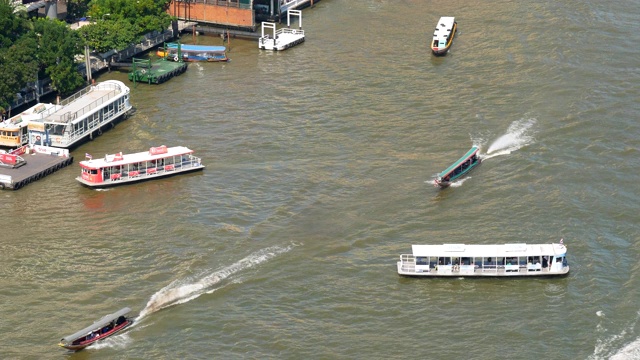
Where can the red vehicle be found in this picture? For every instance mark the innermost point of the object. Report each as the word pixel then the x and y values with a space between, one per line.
pixel 120 169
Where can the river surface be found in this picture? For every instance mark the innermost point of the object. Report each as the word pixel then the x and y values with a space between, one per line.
pixel 320 161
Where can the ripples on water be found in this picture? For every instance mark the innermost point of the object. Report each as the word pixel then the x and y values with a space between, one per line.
pixel 332 146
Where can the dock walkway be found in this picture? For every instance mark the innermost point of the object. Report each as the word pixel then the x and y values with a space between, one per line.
pixel 37 166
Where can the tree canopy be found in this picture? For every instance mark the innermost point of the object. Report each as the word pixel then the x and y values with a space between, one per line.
pixel 33 49
pixel 120 22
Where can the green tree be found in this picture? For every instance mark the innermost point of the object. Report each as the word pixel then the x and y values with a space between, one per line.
pixel 77 9
pixel 12 24
pixel 103 36
pixel 144 15
pixel 17 54
pixel 57 46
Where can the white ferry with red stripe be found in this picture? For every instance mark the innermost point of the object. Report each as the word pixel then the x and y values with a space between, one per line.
pixel 118 169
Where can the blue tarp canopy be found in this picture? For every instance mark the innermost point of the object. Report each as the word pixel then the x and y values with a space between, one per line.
pixel 196 48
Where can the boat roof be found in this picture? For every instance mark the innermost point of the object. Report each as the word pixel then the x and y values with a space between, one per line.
pixel 495 250
pixel 469 154
pixel 109 160
pixel 33 113
pixel 84 102
pixel 443 28
pixel 202 48
pixel 96 325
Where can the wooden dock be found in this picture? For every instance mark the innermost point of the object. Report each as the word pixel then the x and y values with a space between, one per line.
pixel 33 166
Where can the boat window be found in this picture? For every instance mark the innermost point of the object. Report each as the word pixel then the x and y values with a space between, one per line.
pixel 421 260
pixel 94 172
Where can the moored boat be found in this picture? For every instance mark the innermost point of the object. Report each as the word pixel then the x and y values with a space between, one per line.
pixel 14 132
pixel 459 168
pixel 118 169
pixel 504 260
pixel 100 330
pixel 443 35
pixel 173 51
pixel 81 116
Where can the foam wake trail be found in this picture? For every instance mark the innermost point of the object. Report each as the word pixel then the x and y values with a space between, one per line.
pixel 518 134
pixel 181 291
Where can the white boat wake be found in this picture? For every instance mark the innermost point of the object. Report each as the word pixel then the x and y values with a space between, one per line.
pixel 184 290
pixel 519 134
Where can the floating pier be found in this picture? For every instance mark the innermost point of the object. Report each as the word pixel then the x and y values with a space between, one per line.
pixel 284 38
pixel 155 72
pixel 26 165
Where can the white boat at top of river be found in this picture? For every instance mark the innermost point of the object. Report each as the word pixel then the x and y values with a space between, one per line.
pixel 505 260
pixel 83 115
pixel 284 38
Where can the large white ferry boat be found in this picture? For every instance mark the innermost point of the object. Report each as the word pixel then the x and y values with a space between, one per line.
pixel 506 260
pixel 120 169
pixel 82 115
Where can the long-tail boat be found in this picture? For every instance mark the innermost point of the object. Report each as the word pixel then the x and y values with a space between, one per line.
pixel 100 330
pixel 459 168
pixel 193 52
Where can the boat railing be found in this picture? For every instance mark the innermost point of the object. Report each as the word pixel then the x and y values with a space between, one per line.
pixel 73 115
pixel 290 31
pixel 408 263
pixel 189 162
pixel 93 123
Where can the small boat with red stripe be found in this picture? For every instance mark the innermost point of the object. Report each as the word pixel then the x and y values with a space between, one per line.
pixel 107 326
pixel 459 168
pixel 118 169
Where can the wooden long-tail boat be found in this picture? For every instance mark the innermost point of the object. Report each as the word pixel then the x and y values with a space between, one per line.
pixel 459 168
pixel 100 330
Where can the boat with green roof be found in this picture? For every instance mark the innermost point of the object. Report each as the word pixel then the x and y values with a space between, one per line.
pixel 459 168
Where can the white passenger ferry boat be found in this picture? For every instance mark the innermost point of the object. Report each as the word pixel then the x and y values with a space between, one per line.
pixel 83 115
pixel 504 260
pixel 120 169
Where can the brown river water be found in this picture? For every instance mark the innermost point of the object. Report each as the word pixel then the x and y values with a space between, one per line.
pixel 320 161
